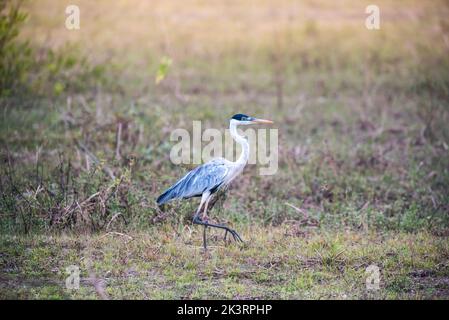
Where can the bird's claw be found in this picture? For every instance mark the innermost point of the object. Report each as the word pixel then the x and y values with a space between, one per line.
pixel 234 234
pixel 206 223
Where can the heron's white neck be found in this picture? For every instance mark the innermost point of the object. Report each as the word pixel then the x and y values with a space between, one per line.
pixel 243 159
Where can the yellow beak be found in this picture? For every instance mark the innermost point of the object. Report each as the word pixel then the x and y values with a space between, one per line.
pixel 263 121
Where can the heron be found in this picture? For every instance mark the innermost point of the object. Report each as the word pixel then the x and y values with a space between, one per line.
pixel 208 179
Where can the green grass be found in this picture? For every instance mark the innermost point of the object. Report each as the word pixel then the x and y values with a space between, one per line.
pixel 274 263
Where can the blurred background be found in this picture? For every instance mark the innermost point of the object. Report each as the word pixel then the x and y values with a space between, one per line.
pixel 362 114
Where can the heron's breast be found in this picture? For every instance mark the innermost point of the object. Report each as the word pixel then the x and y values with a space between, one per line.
pixel 233 173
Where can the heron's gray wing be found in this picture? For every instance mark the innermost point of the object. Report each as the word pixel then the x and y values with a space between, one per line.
pixel 207 177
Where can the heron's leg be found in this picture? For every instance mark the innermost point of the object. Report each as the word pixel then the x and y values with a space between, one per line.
pixel 205 219
pixel 204 238
pixel 204 200
pixel 197 213
pixel 197 220
pixel 219 196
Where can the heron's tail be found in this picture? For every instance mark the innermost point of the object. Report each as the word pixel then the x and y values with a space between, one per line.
pixel 168 195
pixel 181 189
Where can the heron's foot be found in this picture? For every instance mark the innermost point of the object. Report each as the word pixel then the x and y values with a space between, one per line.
pixel 235 235
pixel 197 220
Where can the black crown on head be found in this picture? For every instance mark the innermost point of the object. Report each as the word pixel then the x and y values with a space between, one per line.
pixel 241 117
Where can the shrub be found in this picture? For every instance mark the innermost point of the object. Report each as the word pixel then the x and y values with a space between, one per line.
pixel 15 56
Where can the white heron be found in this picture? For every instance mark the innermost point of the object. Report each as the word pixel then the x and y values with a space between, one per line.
pixel 207 179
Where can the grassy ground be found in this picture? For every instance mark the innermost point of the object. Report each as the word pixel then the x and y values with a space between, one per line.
pixel 275 263
pixel 363 146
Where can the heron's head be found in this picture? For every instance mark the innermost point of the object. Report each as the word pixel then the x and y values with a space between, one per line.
pixel 244 119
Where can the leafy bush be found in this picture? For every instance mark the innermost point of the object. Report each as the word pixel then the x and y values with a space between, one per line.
pixel 15 56
pixel 50 73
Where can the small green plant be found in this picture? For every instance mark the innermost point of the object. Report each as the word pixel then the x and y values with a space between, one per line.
pixel 163 68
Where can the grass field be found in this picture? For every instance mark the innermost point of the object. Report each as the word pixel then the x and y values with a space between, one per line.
pixel 279 263
pixel 363 150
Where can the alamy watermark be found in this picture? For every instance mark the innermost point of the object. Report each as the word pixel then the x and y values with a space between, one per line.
pixel 189 149
pixel 73 280
pixel 72 21
pixel 373 279
pixel 372 22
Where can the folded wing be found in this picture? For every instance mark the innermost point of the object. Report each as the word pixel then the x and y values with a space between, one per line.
pixel 207 177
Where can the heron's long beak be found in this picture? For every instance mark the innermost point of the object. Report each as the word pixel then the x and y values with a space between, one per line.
pixel 262 121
